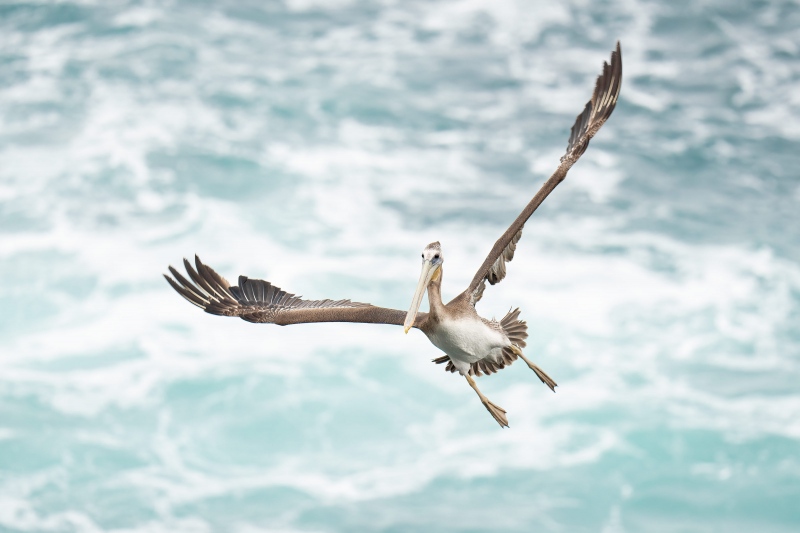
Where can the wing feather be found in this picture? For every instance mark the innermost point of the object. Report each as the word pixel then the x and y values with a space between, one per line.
pixel 259 301
pixel 189 295
pixel 594 115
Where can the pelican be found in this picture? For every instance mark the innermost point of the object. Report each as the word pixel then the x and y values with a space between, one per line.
pixel 472 345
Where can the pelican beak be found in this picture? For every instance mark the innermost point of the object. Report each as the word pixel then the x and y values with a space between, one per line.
pixel 428 271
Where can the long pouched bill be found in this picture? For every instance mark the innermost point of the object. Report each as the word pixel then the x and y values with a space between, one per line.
pixel 428 270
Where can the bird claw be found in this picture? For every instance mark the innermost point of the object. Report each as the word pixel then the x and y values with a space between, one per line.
pixel 543 377
pixel 497 412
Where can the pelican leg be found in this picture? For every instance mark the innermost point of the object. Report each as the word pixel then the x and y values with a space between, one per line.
pixel 547 380
pixel 497 412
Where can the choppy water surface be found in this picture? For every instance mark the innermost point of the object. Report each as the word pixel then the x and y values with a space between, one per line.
pixel 321 145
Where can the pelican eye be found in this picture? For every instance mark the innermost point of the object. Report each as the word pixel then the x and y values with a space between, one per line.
pixel 436 256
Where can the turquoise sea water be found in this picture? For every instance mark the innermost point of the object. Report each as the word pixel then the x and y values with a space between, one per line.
pixel 321 145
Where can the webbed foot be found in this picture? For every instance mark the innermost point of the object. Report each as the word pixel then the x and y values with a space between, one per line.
pixel 541 374
pixel 497 412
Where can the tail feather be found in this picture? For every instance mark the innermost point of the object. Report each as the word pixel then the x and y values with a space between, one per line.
pixel 516 330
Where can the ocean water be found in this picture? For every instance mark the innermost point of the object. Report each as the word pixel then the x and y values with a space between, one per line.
pixel 320 145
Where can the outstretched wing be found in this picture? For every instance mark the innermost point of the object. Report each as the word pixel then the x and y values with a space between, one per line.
pixel 259 301
pixel 594 115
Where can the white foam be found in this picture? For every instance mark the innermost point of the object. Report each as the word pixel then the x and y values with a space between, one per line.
pixel 617 316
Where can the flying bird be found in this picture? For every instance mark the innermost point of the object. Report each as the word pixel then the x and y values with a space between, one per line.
pixel 472 345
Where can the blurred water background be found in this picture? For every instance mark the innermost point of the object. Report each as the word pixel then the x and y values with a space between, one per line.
pixel 321 145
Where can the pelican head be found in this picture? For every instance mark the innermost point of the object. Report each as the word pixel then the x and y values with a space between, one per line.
pixel 432 259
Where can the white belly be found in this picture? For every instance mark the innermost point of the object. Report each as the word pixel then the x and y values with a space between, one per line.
pixel 467 340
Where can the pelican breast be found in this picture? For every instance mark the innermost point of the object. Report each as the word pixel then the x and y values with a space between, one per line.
pixel 466 338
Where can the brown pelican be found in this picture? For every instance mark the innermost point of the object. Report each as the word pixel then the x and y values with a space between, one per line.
pixel 472 345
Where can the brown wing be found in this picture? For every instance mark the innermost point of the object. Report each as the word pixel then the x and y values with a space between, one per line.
pixel 259 301
pixel 594 115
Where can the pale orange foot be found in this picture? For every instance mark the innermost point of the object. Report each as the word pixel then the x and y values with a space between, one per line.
pixel 497 412
pixel 547 380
